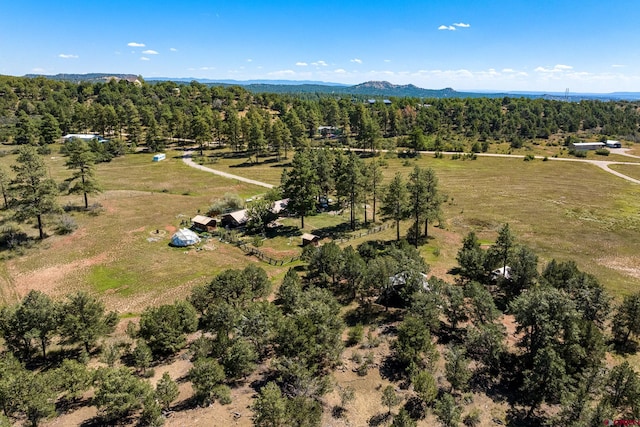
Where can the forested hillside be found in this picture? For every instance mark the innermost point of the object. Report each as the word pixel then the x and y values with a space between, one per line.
pixel 39 110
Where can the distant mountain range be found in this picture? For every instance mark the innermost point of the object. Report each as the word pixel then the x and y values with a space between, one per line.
pixel 372 88
pixel 90 77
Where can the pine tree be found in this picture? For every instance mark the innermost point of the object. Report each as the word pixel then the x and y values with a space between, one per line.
pixel 395 202
pixel 81 160
pixel 34 193
pixel 299 186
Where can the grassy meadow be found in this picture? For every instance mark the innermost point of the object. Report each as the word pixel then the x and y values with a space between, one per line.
pixel 123 253
pixel 562 210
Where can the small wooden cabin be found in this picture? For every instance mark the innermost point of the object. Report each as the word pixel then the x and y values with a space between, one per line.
pixel 204 223
pixel 310 239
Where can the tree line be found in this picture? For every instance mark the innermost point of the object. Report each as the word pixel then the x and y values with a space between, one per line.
pixel 38 111
pixel 317 175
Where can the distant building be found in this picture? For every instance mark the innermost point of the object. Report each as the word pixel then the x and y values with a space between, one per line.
pixel 613 144
pixel 586 145
pixel 386 101
pixel 84 136
pixel 158 157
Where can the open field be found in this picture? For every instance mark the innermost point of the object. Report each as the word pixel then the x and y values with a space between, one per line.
pixel 115 253
pixel 563 210
pixel 629 170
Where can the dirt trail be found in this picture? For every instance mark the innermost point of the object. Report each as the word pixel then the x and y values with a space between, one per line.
pixel 188 159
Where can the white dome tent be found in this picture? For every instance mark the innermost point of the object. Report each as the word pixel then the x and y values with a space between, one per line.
pixel 184 237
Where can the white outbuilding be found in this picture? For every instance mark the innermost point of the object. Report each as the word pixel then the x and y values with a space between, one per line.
pixel 184 237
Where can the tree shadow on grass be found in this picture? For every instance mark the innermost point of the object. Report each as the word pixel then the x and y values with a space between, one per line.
pixel 391 369
pixel 518 417
pixel 379 419
pixel 624 349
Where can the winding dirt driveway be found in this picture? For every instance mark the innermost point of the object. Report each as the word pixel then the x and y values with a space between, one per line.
pixel 602 164
pixel 188 159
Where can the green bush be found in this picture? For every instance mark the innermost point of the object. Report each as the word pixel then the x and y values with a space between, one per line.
pixel 602 152
pixel 66 225
pixel 355 335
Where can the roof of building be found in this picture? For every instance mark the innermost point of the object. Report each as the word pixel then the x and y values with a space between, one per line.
pixel 279 206
pixel 239 216
pixel 184 237
pixel 201 219
pixel 309 236
pixel 585 144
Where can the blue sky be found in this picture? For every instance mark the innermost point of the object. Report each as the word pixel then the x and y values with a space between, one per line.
pixel 586 46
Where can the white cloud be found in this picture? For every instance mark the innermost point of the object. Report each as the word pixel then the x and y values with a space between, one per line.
pixel 67 56
pixel 340 71
pixel 447 27
pixel 173 49
pixel 207 68
pixel 462 25
pixel 559 68
pixel 134 44
pixel 282 73
pixel 357 60
pixel 387 60
pixel 301 64
pixel 617 66
pixel 507 70
pixel 249 60
pixel 144 58
pixel 38 70
pixel 319 64
pixel 149 52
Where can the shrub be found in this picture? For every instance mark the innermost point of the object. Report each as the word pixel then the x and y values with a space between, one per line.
pixel 529 157
pixel 472 419
pixel 229 202
pixel 355 335
pixel 372 341
pixel 95 209
pixel 66 225
pixel 257 241
pixel 12 236
pixel 602 152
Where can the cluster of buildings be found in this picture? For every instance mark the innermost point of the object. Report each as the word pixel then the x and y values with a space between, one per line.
pixel 235 219
pixel 595 145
